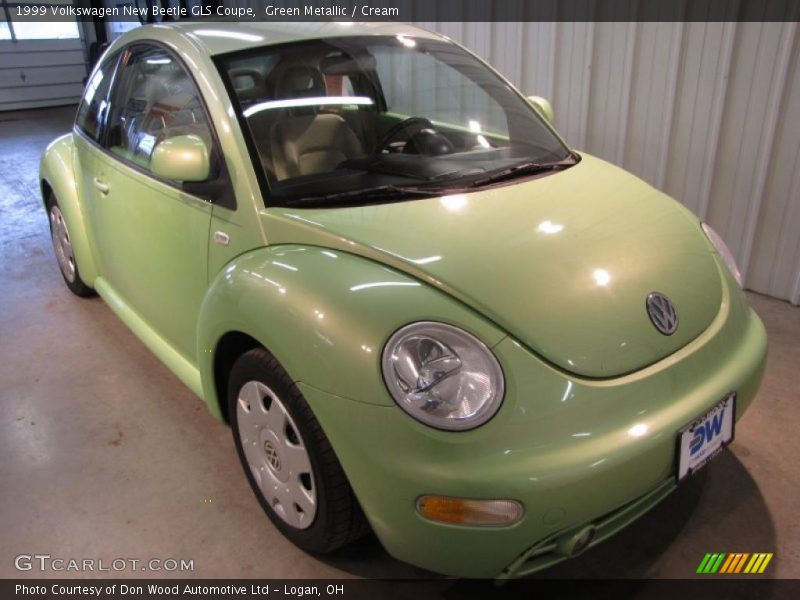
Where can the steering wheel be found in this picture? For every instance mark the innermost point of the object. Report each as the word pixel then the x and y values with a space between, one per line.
pixel 416 122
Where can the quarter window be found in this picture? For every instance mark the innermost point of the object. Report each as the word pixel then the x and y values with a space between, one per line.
pixel 94 106
pixel 155 100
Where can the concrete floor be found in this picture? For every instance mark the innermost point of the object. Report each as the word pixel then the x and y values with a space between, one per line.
pixel 107 455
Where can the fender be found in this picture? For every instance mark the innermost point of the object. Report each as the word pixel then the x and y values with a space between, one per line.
pixel 56 172
pixel 324 314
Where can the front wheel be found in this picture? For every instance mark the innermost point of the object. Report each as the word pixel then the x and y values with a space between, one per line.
pixel 62 246
pixel 289 461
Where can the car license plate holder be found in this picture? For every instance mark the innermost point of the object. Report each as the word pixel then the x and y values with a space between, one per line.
pixel 705 437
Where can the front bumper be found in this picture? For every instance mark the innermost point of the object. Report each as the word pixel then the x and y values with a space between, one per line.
pixel 565 447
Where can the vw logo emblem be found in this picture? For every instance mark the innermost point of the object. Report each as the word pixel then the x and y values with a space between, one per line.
pixel 273 458
pixel 662 313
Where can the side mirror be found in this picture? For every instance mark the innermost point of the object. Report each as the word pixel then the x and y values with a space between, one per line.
pixel 543 107
pixel 182 158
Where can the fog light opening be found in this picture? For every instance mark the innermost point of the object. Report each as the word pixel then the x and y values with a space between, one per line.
pixel 583 541
pixel 573 544
pixel 470 511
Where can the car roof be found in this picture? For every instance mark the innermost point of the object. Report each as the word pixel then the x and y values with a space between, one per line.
pixel 218 37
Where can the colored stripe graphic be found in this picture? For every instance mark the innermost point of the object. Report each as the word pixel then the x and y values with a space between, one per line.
pixel 741 562
pixel 717 563
pixel 730 564
pixel 755 561
pixel 734 563
pixel 711 560
pixel 703 563
pixel 764 564
pixel 726 565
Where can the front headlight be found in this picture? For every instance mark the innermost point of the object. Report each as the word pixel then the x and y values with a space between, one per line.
pixel 724 251
pixel 442 376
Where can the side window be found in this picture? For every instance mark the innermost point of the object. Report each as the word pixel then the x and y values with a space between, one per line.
pixel 94 106
pixel 155 99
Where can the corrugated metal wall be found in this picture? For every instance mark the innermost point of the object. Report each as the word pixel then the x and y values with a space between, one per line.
pixel 708 112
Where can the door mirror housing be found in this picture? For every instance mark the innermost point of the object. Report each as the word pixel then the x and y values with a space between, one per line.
pixel 543 107
pixel 183 158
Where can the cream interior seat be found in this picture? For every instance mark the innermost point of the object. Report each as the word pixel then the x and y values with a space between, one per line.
pixel 304 141
pixel 251 87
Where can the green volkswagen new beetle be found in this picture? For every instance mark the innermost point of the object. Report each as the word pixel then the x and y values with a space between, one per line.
pixel 420 311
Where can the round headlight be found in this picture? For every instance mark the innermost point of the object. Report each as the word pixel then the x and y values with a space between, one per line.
pixel 442 376
pixel 724 251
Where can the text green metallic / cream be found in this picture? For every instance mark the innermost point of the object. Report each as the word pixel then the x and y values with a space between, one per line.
pixel 425 317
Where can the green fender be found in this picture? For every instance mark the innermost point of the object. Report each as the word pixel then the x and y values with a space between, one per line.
pixel 57 172
pixel 324 314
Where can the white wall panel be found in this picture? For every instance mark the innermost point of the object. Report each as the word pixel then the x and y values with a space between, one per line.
pixel 698 112
pixel 537 56
pixel 746 135
pixel 572 81
pixel 777 244
pixel 708 112
pixel 610 95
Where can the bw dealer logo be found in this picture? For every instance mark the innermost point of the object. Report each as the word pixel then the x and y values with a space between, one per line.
pixel 710 430
pixel 734 563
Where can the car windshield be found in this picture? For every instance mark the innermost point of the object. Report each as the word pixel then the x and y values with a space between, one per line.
pixel 356 120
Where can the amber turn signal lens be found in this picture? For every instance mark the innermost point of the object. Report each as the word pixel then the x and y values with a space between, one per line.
pixel 469 511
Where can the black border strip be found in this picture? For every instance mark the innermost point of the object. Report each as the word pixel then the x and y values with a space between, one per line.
pixel 456 10
pixel 705 587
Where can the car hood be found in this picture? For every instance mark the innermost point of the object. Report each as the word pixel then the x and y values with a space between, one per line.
pixel 564 262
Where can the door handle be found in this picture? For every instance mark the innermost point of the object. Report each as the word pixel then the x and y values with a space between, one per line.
pixel 103 187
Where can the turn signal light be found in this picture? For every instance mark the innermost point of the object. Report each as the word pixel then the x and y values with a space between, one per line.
pixel 469 511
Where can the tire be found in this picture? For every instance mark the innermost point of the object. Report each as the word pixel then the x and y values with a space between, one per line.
pixel 62 246
pixel 287 458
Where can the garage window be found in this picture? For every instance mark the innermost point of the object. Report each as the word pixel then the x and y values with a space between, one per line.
pixel 14 26
pixel 5 30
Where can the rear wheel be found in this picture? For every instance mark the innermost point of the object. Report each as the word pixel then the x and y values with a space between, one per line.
pixel 62 246
pixel 288 460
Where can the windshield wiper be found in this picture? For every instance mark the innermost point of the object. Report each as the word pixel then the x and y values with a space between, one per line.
pixel 520 169
pixel 365 196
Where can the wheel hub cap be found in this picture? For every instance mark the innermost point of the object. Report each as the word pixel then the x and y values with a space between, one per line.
pixel 276 454
pixel 61 244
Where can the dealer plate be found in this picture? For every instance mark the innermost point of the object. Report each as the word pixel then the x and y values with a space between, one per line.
pixel 702 440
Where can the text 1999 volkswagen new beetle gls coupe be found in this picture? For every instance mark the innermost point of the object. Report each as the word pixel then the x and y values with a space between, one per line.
pixel 417 308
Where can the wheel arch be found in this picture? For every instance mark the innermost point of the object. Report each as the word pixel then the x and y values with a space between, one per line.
pixel 57 178
pixel 230 347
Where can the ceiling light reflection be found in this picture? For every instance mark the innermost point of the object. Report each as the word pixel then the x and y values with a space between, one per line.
pixel 601 277
pixel 549 227
pixel 454 202
pixel 364 286
pixel 313 101
pixel 638 430
pixel 231 35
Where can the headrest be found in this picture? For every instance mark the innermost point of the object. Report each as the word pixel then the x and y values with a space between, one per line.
pixel 248 83
pixel 342 64
pixel 300 82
